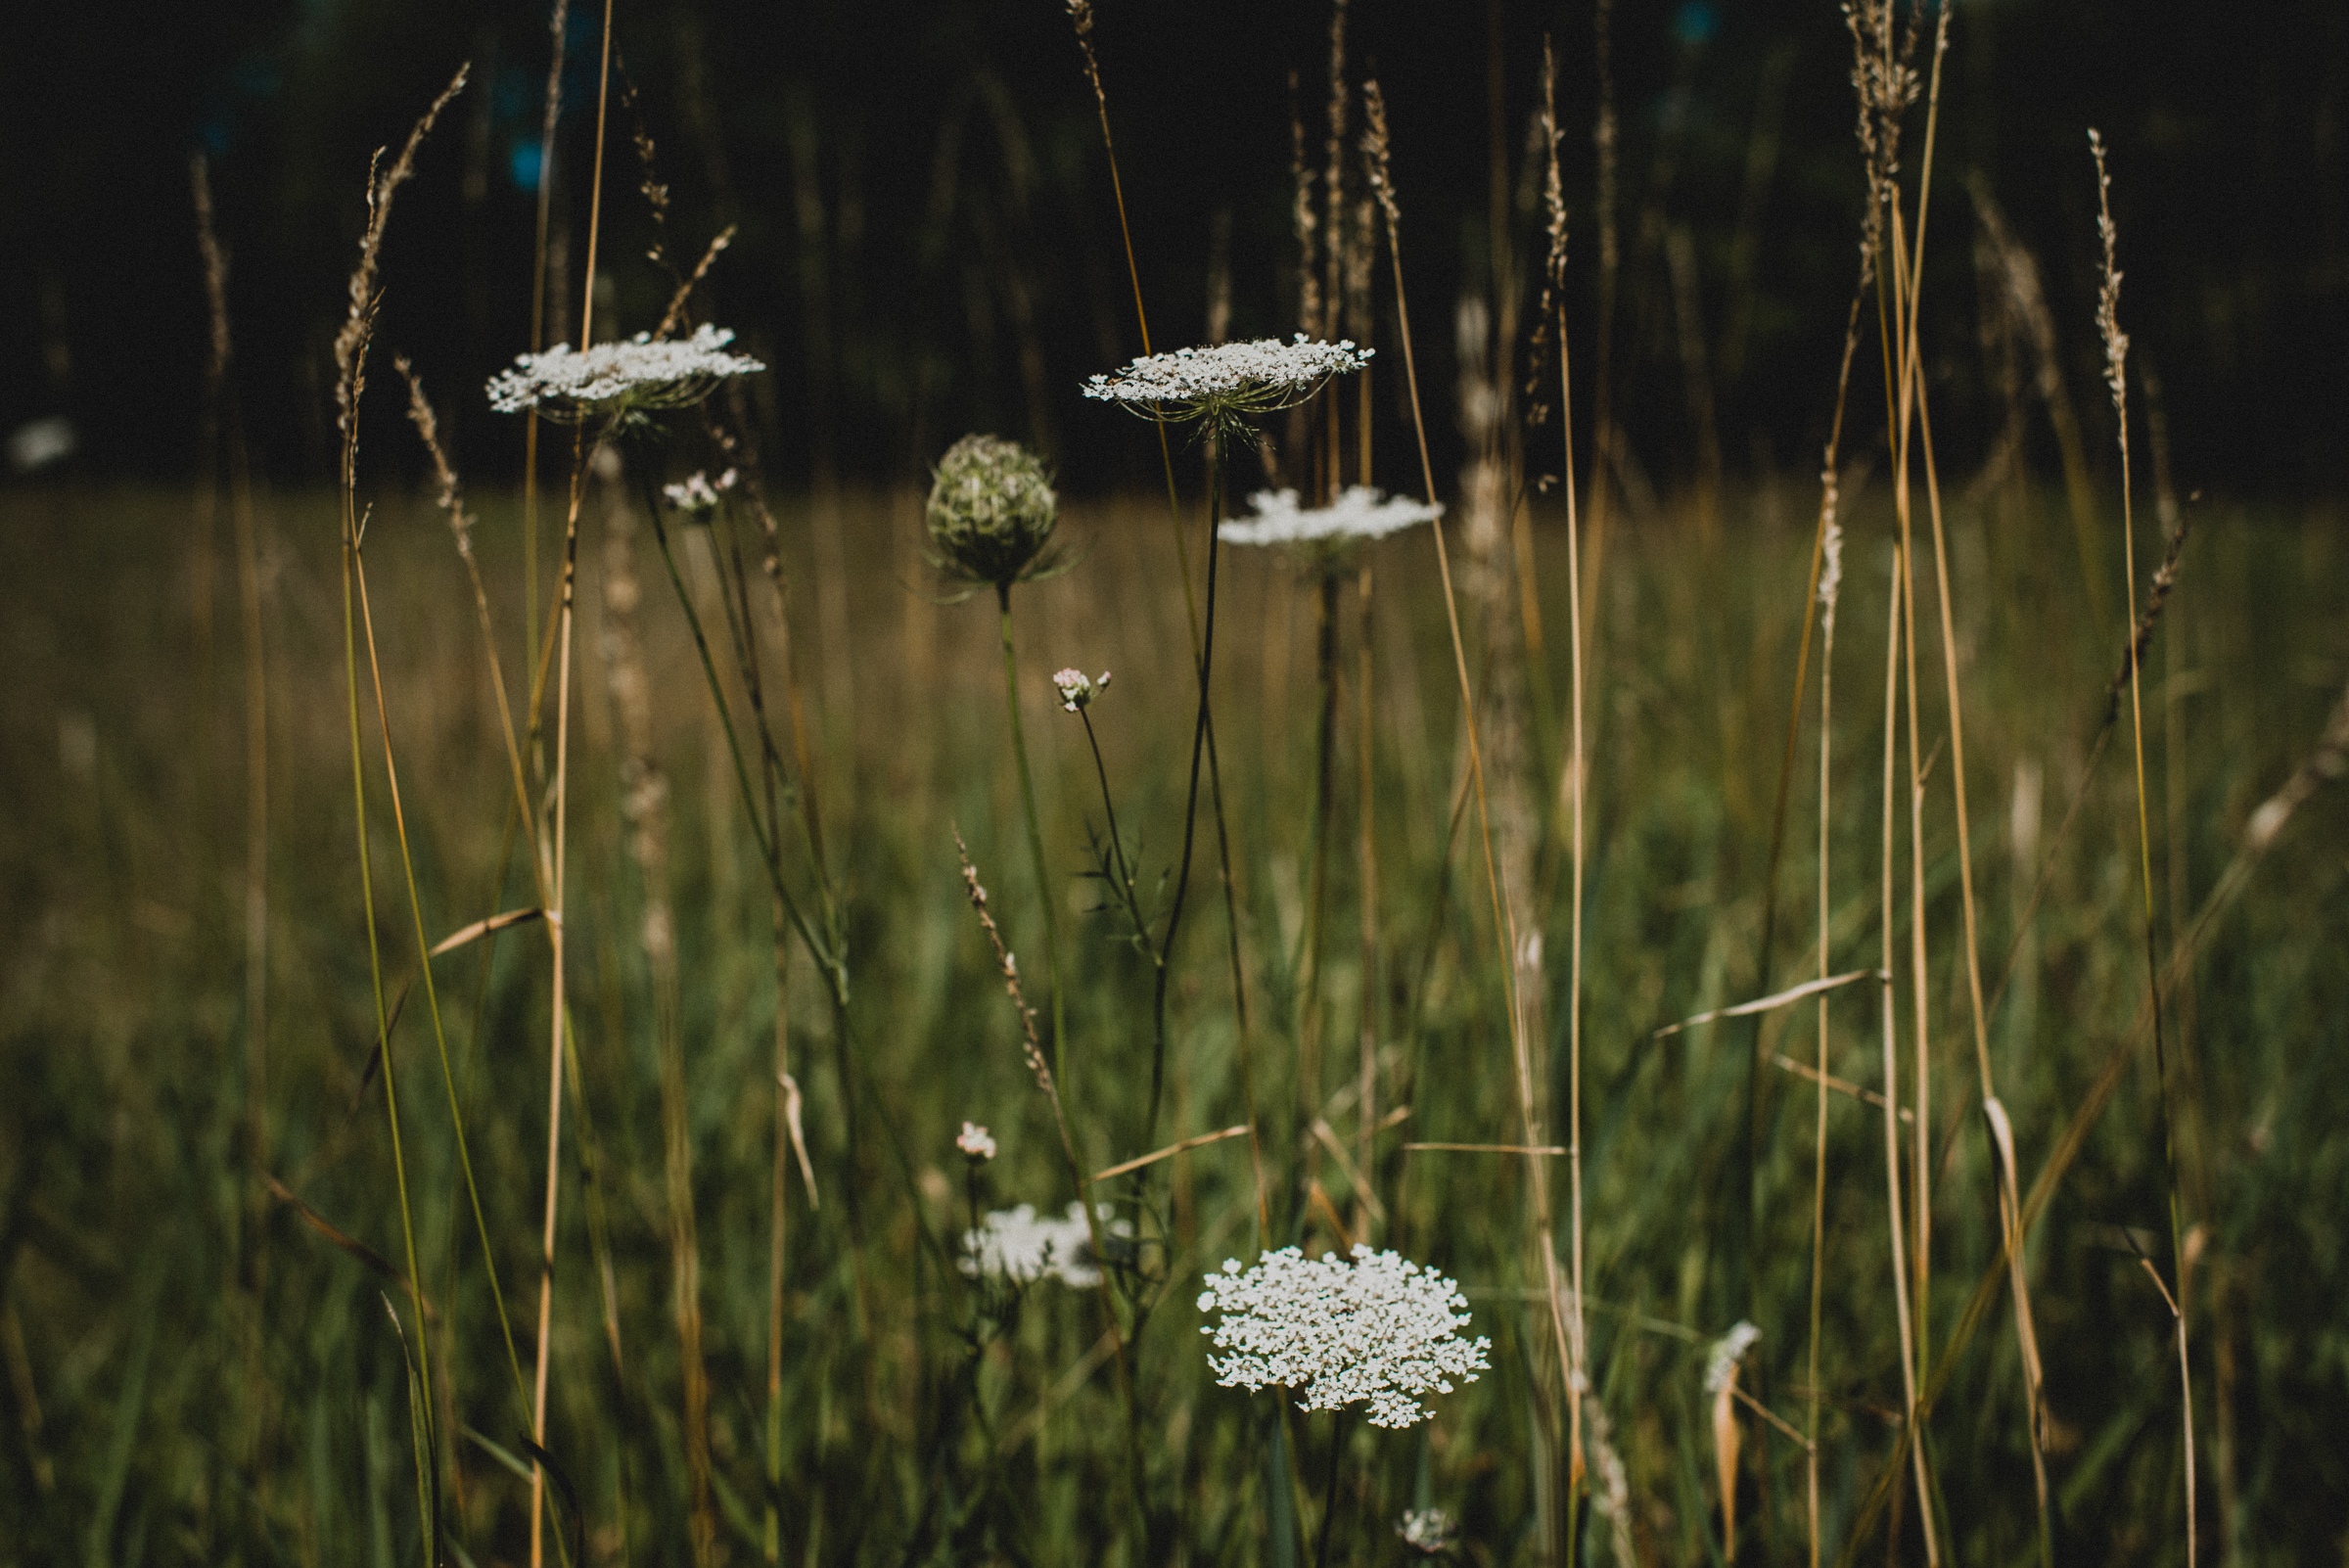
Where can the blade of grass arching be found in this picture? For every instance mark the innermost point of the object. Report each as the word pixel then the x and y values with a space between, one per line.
pixel 431 996
pixel 113 1477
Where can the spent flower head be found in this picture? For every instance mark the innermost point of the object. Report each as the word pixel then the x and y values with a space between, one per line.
pixel 976 1144
pixel 619 380
pixel 1428 1532
pixel 1228 381
pixel 1076 688
pixel 699 495
pixel 1376 1328
pixel 1720 1364
pixel 991 511
pixel 1359 513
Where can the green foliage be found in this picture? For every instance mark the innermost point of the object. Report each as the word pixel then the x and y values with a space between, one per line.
pixel 199 1371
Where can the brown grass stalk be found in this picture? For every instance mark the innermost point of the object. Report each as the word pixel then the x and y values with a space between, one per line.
pixel 1376 147
pixel 565 609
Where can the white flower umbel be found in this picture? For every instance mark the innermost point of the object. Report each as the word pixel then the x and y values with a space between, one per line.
pixel 618 378
pixel 1076 688
pixel 977 1145
pixel 1428 1532
pixel 1228 379
pixel 699 495
pixel 1376 1328
pixel 1021 1247
pixel 1359 513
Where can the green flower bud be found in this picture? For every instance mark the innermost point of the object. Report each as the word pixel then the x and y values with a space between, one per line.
pixel 991 511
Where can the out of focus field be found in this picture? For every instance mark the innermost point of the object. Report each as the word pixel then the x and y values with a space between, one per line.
pixel 200 1366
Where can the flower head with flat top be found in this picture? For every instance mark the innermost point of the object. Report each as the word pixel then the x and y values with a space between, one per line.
pixel 619 380
pixel 1228 381
pixel 1374 1328
pixel 1359 513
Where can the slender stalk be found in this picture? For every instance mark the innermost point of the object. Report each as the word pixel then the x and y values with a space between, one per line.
pixel 1818 1143
pixel 1891 1079
pixel 554 911
pixel 2116 352
pixel 374 967
pixel 558 27
pixel 1200 738
pixel 1036 841
pixel 1504 928
pixel 424 965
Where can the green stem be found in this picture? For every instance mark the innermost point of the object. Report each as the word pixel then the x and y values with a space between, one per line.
pixel 1035 836
pixel 835 972
pixel 375 971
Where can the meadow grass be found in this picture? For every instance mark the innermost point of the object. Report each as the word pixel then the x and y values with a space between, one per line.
pixel 199 1374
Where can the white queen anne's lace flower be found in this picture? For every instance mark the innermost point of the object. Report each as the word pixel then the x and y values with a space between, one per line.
pixel 1359 513
pixel 1019 1246
pixel 1229 377
pixel 1376 1328
pixel 699 495
pixel 1428 1532
pixel 618 378
pixel 976 1144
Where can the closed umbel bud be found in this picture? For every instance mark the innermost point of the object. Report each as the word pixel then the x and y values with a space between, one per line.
pixel 991 511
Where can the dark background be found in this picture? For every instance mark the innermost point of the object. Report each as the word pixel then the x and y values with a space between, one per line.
pixel 928 243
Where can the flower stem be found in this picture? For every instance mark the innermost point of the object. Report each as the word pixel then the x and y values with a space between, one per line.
pixel 1035 837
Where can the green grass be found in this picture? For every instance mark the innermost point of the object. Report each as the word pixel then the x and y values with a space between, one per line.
pixel 196 1374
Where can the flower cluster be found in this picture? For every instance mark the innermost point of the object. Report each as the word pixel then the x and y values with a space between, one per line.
pixel 976 1144
pixel 614 378
pixel 699 495
pixel 991 511
pixel 1376 1328
pixel 1018 1246
pixel 1228 379
pixel 1720 1365
pixel 1359 513
pixel 1076 688
pixel 1428 1532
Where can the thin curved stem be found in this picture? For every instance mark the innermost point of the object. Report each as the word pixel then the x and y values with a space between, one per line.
pixel 1035 835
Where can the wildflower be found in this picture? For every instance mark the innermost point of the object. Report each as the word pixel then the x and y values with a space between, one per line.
pixel 991 511
pixel 1228 379
pixel 1017 1246
pixel 698 496
pixel 976 1144
pixel 1721 1367
pixel 1428 1532
pixel 1076 688
pixel 1377 1328
pixel 618 379
pixel 1359 513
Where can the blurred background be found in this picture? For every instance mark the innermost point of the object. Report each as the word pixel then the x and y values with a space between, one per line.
pixel 927 241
